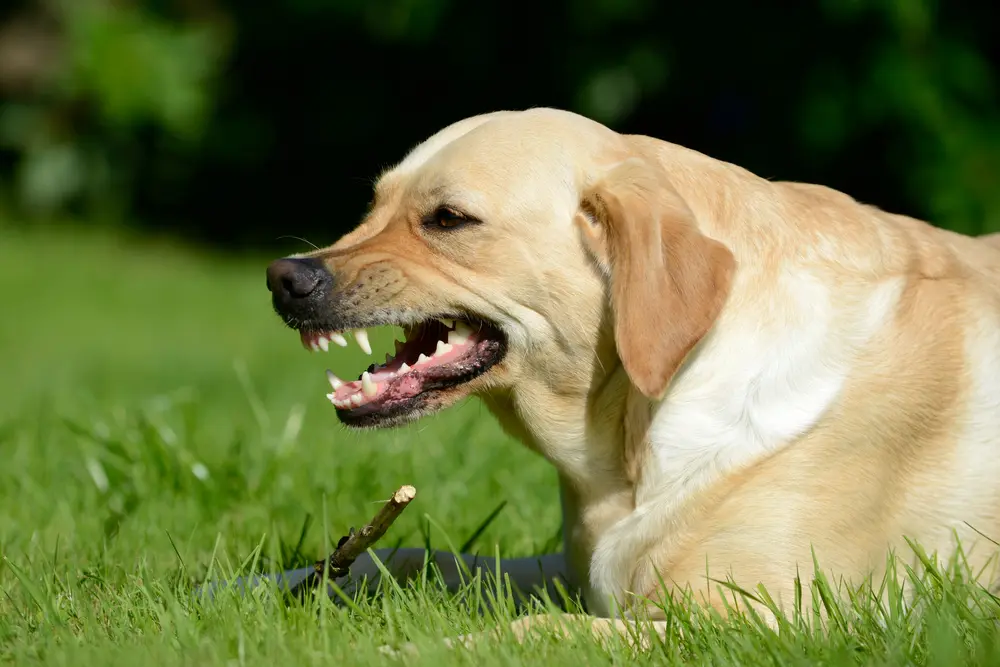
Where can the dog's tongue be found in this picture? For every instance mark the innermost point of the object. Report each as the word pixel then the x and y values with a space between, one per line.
pixel 404 375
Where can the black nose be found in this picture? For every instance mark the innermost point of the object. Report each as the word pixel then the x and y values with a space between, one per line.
pixel 293 278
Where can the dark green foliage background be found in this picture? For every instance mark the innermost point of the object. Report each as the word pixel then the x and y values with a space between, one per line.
pixel 238 122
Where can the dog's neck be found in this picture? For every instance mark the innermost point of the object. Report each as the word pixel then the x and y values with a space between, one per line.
pixel 584 429
pixel 595 438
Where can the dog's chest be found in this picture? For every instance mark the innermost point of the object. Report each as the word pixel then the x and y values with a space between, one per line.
pixel 757 383
pixel 756 386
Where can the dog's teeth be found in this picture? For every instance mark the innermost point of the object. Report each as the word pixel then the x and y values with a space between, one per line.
pixel 335 381
pixel 361 335
pixel 458 337
pixel 388 357
pixel 314 346
pixel 338 339
pixel 448 323
pixel 403 369
pixel 356 399
pixel 422 359
pixel 398 345
pixel 368 385
pixel 442 348
pixel 324 344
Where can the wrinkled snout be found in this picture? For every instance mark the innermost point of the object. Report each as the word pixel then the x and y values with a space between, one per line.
pixel 298 286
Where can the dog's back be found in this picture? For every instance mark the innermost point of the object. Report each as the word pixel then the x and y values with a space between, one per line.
pixel 991 239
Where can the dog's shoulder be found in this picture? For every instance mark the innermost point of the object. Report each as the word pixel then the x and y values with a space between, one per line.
pixel 901 243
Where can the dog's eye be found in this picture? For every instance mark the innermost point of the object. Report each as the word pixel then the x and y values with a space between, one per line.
pixel 448 218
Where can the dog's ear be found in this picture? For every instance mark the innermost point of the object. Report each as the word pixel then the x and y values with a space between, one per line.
pixel 668 281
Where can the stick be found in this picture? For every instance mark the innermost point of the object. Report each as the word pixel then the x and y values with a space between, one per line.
pixel 354 543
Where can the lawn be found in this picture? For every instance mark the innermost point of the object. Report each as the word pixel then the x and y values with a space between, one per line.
pixel 158 425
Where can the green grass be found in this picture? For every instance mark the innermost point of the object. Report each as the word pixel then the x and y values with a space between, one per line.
pixel 158 424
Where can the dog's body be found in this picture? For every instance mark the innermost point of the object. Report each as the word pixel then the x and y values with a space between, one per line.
pixel 729 374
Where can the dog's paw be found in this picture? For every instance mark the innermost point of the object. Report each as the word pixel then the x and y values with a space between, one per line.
pixel 409 649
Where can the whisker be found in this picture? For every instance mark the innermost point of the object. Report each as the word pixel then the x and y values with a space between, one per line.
pixel 298 238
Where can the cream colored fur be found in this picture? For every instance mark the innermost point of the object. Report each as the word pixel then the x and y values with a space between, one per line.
pixel 727 372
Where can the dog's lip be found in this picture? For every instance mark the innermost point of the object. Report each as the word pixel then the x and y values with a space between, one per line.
pixel 438 353
pixel 317 336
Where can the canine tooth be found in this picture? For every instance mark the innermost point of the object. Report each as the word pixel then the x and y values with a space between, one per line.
pixel 335 381
pixel 403 369
pixel 361 335
pixel 324 344
pixel 442 348
pixel 448 323
pixel 463 328
pixel 456 337
pixel 368 386
pixel 422 359
pixel 356 399
pixel 338 339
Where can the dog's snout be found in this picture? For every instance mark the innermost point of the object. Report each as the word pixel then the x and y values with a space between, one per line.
pixel 292 279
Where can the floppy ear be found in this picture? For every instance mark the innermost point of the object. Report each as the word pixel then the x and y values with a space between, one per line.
pixel 669 282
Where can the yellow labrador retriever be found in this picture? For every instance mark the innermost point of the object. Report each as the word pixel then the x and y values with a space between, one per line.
pixel 728 373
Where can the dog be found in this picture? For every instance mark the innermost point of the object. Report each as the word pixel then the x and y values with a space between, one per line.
pixel 731 375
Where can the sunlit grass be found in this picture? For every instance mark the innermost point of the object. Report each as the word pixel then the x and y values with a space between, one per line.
pixel 158 425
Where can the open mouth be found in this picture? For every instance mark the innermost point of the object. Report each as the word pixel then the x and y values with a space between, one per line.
pixel 437 355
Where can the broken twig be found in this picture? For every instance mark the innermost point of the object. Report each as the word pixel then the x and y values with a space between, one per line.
pixel 355 543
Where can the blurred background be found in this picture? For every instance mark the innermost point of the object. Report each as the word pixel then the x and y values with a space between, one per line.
pixel 155 154
pixel 234 123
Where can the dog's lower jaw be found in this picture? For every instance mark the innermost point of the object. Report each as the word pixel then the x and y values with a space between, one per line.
pixel 429 403
pixel 379 422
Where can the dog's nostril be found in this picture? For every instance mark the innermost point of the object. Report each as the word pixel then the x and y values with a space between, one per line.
pixel 290 286
pixel 295 278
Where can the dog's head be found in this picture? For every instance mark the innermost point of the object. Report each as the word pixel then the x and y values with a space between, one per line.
pixel 517 247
